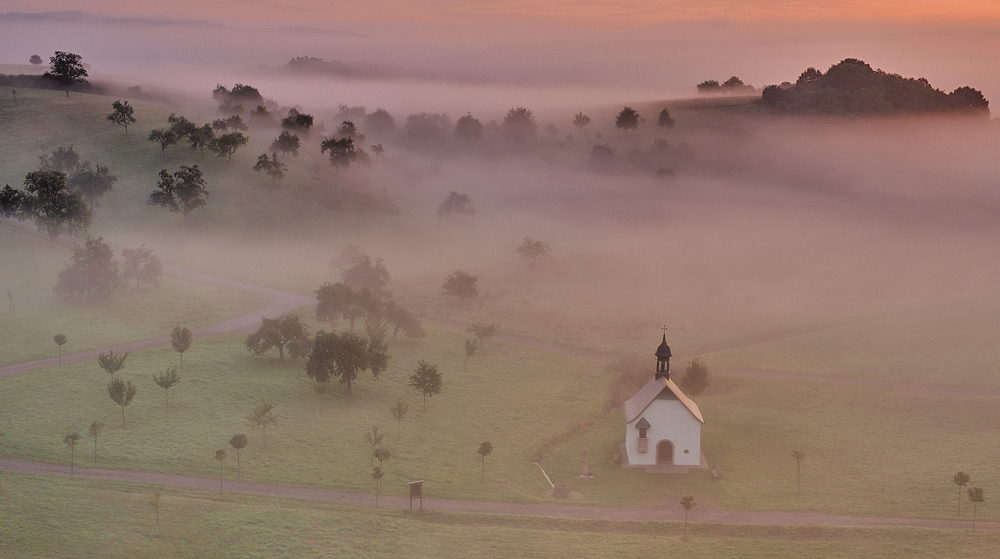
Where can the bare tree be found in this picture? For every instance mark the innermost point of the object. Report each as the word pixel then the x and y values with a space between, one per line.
pixel 239 442
pixel 167 380
pixel 374 438
pixel 688 503
pixel 961 480
pixel 180 339
pixel 470 349
pixel 155 503
pixel 111 362
pixel 975 497
pixel 96 426
pixel 60 340
pixel 398 412
pixel 262 416
pixel 798 468
pixel 71 440
pixel 220 455
pixel 485 449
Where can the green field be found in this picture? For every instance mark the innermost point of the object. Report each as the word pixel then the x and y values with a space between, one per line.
pixel 44 517
pixel 870 450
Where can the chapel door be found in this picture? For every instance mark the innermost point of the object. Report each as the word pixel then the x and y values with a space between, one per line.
pixel 665 452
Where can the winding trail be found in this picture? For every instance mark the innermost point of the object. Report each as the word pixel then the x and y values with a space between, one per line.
pixel 281 302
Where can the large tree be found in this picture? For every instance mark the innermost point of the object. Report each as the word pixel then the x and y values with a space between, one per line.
pixel 164 137
pixel 379 122
pixel 286 142
pixel 364 273
pixel 402 319
pixel 288 331
pixel 426 379
pixel 122 115
pixel 627 119
pixel 533 249
pixel 141 265
pixel 665 120
pixel 91 182
pixel 296 121
pixel 344 356
pixel 67 69
pixel 35 60
pixel 519 126
pixel 272 166
pixel 338 300
pixel 461 285
pixel 342 151
pixel 469 128
pixel 181 192
pixel 227 144
pixel 92 275
pixel 48 200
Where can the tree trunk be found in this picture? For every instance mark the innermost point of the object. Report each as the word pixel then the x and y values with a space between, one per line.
pixel 348 386
pixel 95 451
pixel 237 463
pixel 281 352
pixel 482 474
pixel 123 416
pixel 72 452
pixel 959 500
pixel 263 444
pixel 425 401
pixel 220 476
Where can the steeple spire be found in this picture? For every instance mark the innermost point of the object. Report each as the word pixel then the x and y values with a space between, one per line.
pixel 663 358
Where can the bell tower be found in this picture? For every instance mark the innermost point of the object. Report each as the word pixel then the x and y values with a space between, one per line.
pixel 663 358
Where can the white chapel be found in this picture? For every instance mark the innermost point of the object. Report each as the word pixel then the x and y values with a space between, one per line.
pixel 663 425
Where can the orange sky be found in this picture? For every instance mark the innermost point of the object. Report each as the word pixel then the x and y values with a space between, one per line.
pixel 572 12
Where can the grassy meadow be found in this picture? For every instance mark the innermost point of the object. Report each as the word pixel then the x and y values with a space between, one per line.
pixel 609 288
pixel 44 517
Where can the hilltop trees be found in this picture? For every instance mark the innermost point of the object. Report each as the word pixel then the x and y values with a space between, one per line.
pixel 469 128
pixel 91 182
pixel 665 120
pixel 48 201
pixel 519 126
pixel 456 205
pixel 427 380
pixel 627 119
pixel 67 69
pixel 380 122
pixel 344 356
pixel 92 275
pixel 854 87
pixel 122 115
pixel 181 192
pixel 281 333
pixel 35 60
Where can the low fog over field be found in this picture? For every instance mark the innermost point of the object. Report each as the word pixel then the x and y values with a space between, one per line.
pixel 850 241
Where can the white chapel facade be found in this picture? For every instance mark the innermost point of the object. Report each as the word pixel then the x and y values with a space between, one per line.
pixel 663 425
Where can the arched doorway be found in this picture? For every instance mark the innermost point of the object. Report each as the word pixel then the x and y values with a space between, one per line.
pixel 665 452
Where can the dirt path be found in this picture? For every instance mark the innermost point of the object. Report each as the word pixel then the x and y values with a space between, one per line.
pixel 281 302
pixel 672 513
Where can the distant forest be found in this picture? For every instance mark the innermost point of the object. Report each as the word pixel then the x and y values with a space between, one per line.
pixel 852 87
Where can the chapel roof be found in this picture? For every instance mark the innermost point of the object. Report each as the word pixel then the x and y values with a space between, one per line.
pixel 635 405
